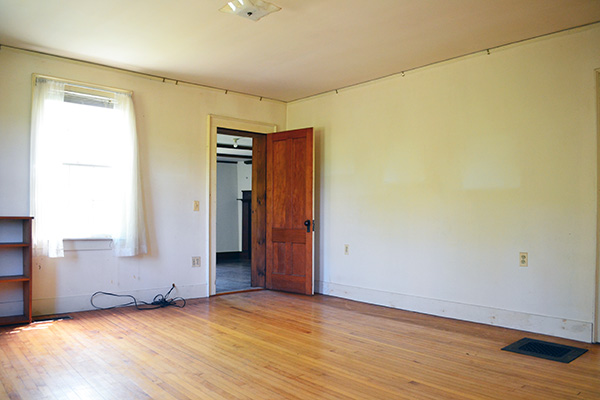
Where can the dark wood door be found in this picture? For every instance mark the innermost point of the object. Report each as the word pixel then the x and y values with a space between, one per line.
pixel 246 224
pixel 289 211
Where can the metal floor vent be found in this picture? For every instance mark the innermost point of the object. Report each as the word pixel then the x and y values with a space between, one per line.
pixel 51 318
pixel 545 350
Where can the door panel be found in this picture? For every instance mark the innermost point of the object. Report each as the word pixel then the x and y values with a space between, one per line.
pixel 289 205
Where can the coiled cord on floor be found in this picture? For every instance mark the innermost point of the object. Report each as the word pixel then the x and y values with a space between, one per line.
pixel 159 301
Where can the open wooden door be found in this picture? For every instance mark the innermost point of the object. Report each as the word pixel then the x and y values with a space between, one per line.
pixel 290 211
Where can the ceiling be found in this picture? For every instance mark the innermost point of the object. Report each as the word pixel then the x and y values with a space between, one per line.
pixel 307 48
pixel 234 149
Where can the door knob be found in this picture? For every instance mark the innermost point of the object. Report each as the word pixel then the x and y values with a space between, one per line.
pixel 307 225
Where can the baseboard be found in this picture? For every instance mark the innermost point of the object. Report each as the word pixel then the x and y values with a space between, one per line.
pixel 62 305
pixel 229 256
pixel 559 327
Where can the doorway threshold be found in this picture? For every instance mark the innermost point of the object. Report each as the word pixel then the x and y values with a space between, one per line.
pixel 239 291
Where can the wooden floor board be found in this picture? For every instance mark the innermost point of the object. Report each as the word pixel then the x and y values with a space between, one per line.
pixel 270 345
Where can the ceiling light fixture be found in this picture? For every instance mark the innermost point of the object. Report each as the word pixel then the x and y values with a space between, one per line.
pixel 250 9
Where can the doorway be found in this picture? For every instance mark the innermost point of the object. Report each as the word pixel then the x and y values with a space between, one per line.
pixel 234 217
pixel 256 207
pixel 281 237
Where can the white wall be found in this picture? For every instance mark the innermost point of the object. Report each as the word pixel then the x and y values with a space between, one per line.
pixel 438 179
pixel 228 231
pixel 172 130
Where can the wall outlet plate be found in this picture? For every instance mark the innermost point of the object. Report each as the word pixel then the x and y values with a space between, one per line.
pixel 196 262
pixel 523 259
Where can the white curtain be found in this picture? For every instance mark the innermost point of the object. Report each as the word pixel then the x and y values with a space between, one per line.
pixel 129 235
pixel 46 204
pixel 47 184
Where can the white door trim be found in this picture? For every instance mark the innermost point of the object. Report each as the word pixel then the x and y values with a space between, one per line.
pixel 597 305
pixel 214 122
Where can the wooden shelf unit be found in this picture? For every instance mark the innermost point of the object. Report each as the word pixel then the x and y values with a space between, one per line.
pixel 15 269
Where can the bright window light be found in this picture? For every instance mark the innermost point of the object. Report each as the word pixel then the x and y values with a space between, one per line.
pixel 84 168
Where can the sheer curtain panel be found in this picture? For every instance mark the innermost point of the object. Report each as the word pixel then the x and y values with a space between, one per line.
pixel 85 178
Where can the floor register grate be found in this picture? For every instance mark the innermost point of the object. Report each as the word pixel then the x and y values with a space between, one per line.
pixel 545 350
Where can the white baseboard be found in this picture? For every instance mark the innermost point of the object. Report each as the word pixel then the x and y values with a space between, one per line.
pixel 553 326
pixel 62 305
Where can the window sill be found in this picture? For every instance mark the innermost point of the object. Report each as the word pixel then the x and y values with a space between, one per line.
pixel 87 244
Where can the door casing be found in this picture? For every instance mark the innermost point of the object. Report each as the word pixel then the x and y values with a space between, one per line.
pixel 214 122
pixel 597 298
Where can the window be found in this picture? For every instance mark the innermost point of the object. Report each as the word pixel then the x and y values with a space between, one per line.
pixel 84 166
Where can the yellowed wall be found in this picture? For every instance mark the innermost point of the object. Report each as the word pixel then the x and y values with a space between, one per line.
pixel 438 179
pixel 172 133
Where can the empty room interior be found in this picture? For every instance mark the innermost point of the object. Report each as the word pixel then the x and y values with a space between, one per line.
pixel 299 199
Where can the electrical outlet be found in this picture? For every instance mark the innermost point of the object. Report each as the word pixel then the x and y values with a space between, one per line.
pixel 196 205
pixel 346 249
pixel 196 262
pixel 523 260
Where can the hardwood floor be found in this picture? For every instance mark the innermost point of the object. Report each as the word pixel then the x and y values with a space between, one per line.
pixel 270 345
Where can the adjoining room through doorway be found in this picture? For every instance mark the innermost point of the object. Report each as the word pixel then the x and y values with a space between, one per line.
pixel 234 223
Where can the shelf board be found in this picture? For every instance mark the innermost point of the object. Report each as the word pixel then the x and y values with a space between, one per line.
pixel 15 319
pixel 5 245
pixel 14 278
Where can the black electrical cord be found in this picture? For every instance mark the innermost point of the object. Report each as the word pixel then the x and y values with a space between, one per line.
pixel 159 301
